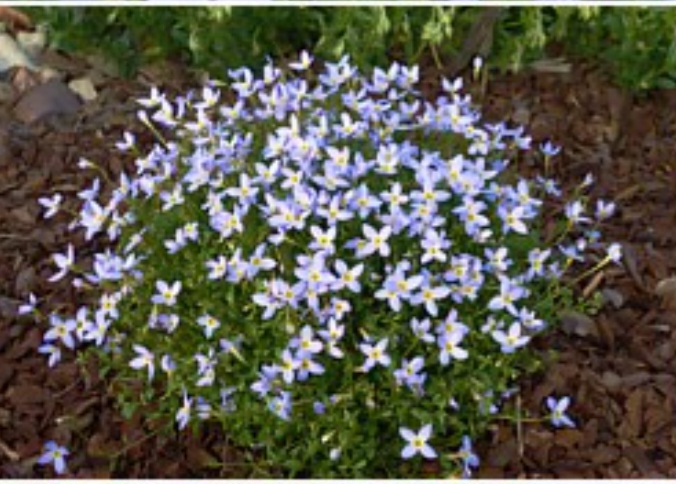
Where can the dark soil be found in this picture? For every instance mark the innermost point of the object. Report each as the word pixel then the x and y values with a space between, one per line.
pixel 621 374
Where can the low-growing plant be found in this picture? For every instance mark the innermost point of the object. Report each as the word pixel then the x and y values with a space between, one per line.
pixel 345 275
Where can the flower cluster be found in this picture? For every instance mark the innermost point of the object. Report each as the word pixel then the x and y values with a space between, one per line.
pixel 325 256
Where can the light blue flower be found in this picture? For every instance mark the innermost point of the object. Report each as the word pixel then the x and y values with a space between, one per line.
pixel 375 354
pixel 56 455
pixel 558 409
pixel 469 458
pixel 64 262
pixel 167 294
pixel 416 443
pixel 511 340
pixel 144 359
pixel 52 204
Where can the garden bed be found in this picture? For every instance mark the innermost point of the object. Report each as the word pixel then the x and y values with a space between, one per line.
pixel 619 367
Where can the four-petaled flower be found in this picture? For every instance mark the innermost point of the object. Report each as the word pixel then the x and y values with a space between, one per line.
pixel 375 354
pixel 54 454
pixel 417 442
pixel 558 409
pixel 166 294
pixel 512 340
pixel 376 241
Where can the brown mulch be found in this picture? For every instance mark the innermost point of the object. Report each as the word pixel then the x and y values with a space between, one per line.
pixel 621 375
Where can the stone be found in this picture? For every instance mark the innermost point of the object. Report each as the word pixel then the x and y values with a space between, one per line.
pixel 32 42
pixel 46 73
pixel 84 88
pixel 52 97
pixel 12 55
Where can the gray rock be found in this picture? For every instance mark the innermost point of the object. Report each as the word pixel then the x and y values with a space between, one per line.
pixel 12 55
pixel 84 88
pixel 52 97
pixel 32 42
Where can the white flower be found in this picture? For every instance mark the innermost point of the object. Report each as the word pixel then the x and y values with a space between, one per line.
pixel 615 252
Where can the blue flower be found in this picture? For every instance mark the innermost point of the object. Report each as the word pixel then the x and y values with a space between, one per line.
pixel 548 149
pixel 281 405
pixel 469 458
pixel 52 351
pixel 416 443
pixel 28 307
pixel 376 241
pixel 54 454
pixel 64 262
pixel 52 204
pixel 558 409
pixel 144 359
pixel 511 340
pixel 375 354
pixel 209 323
pixel 347 277
pixel 61 330
pixel 450 349
pixel 167 294
pixel 421 330
pixel 183 413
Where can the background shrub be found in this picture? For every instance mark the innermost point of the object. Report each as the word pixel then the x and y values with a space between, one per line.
pixel 637 44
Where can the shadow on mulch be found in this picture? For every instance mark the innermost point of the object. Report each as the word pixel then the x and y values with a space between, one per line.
pixel 621 373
